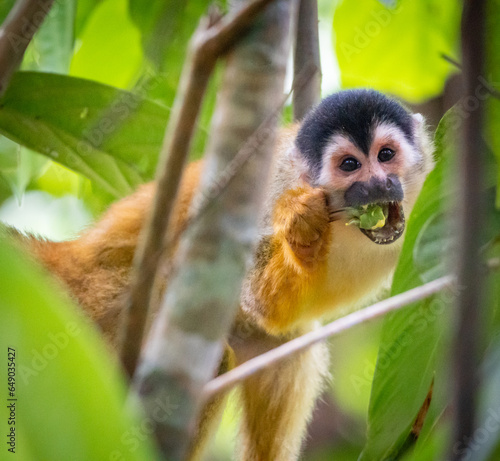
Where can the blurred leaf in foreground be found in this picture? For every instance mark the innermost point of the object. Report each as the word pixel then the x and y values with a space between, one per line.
pixel 411 338
pixel 70 396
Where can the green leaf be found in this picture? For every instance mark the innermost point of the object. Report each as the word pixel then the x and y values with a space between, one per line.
pixel 397 49
pixel 435 448
pixel 166 26
pixel 70 397
pixel 50 51
pixel 5 7
pixel 109 48
pixel 435 439
pixel 160 22
pixel 367 217
pixel 111 136
pixel 19 166
pixel 8 156
pixel 52 47
pixel 412 338
pixel 84 10
pixel 373 218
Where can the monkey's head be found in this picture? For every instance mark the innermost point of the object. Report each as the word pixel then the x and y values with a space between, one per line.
pixel 366 148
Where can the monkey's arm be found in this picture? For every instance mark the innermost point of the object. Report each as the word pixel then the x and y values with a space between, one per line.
pixel 289 261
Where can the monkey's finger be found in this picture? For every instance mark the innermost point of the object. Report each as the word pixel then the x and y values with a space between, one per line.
pixel 335 215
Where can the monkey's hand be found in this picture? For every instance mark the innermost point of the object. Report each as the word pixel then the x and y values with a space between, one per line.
pixel 301 217
pixel 290 261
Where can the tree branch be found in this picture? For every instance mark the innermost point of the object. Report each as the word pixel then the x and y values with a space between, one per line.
pixel 307 55
pixel 489 87
pixel 184 348
pixel 16 33
pixel 250 148
pixel 247 369
pixel 213 37
pixel 470 224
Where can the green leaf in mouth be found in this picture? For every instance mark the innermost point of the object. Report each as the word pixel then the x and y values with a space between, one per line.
pixel 369 217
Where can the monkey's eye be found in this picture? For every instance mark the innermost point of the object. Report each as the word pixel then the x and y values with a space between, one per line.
pixel 350 164
pixel 385 154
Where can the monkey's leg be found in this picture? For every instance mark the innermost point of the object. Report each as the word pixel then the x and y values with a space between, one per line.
pixel 277 405
pixel 291 262
pixel 211 413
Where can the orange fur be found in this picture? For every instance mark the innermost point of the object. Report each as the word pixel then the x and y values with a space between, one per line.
pixel 304 267
pixel 278 403
pixel 299 248
pixel 96 267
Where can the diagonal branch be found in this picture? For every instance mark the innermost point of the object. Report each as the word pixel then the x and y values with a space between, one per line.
pixel 249 149
pixel 213 38
pixel 242 372
pixel 16 33
pixel 186 342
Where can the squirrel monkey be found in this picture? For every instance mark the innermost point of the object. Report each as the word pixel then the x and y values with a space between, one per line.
pixel 357 150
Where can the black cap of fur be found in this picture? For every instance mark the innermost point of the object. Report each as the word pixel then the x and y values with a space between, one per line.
pixel 353 113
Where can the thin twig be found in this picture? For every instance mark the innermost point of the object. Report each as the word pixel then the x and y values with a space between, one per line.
pixel 16 33
pixel 489 87
pixel 250 147
pixel 307 55
pixel 247 369
pixel 212 39
pixel 470 224
pixel 451 60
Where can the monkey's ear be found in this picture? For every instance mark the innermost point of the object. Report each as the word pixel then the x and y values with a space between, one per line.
pixel 423 138
pixel 418 121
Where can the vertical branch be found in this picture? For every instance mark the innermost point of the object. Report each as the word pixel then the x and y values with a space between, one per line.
pixel 174 153
pixel 470 226
pixel 16 33
pixel 306 56
pixel 185 345
pixel 213 37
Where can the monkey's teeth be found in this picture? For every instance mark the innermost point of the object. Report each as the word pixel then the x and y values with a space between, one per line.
pixel 393 228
